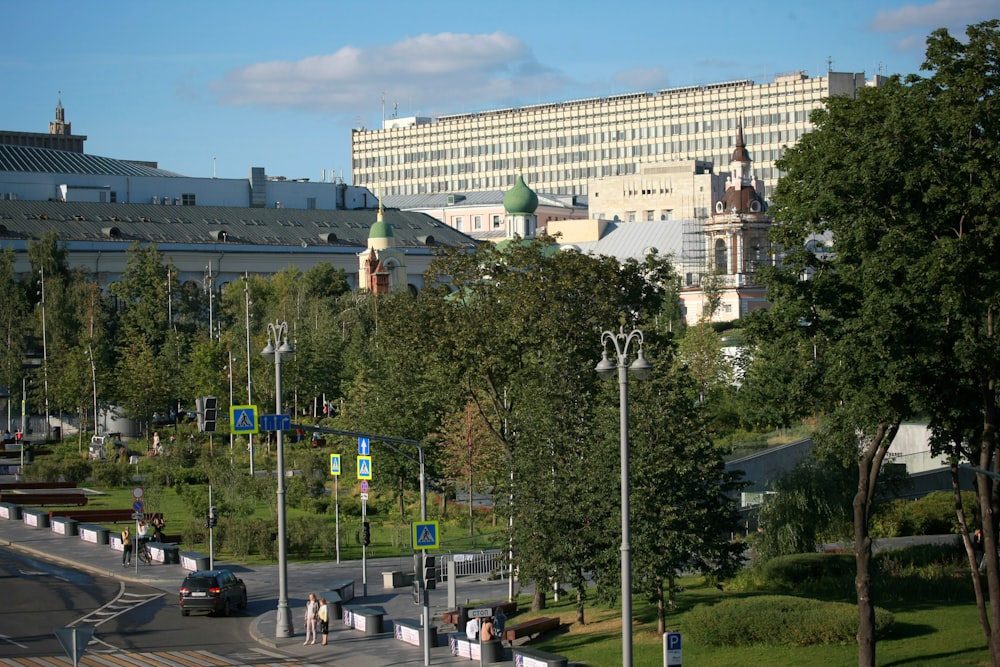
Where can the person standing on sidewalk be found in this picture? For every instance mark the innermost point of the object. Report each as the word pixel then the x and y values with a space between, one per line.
pixel 126 548
pixel 312 612
pixel 324 620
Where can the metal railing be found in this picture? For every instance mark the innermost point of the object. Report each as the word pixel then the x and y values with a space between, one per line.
pixel 492 562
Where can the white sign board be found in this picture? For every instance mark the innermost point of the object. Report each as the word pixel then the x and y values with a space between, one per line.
pixel 672 649
pixel 482 612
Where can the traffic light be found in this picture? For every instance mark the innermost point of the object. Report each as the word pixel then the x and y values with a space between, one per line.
pixel 430 573
pixel 213 516
pixel 366 533
pixel 211 404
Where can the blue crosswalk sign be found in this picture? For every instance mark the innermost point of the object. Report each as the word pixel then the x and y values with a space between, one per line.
pixel 364 467
pixel 425 534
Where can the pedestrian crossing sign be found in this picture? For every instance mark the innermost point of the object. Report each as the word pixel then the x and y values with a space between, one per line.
pixel 334 464
pixel 365 467
pixel 425 535
pixel 243 419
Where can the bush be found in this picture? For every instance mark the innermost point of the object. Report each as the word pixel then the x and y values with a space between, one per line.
pixel 934 514
pixel 778 620
pixel 798 571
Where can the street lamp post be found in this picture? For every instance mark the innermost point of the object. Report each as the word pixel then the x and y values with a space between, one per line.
pixel 93 377
pixel 641 369
pixel 277 346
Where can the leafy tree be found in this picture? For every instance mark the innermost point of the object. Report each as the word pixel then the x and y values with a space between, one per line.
pixel 14 313
pixel 686 509
pixel 901 180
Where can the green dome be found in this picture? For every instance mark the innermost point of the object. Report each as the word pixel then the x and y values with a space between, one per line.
pixel 381 229
pixel 520 199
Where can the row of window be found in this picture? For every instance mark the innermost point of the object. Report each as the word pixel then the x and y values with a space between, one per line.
pixel 389 152
pixel 458 222
pixel 667 149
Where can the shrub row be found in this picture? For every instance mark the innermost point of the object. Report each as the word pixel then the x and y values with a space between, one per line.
pixel 778 620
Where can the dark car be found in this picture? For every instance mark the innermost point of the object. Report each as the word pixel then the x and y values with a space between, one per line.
pixel 212 591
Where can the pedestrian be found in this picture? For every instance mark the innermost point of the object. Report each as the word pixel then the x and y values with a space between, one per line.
pixel 126 548
pixel 487 632
pixel 312 611
pixel 157 448
pixel 978 549
pixel 499 621
pixel 158 524
pixel 324 619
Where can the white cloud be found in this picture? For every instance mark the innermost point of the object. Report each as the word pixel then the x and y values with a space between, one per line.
pixel 951 14
pixel 422 73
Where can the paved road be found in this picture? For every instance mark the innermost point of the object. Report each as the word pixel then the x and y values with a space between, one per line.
pixel 347 648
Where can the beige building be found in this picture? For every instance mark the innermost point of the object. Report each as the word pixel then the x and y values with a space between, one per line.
pixel 681 190
pixel 560 147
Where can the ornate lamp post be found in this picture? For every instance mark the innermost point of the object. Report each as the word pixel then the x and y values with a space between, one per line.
pixel 641 369
pixel 277 346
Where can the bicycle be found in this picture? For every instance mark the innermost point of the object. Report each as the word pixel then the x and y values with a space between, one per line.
pixel 143 553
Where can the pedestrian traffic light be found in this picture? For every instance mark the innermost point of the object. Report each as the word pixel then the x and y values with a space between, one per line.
pixel 366 533
pixel 430 573
pixel 213 516
pixel 211 405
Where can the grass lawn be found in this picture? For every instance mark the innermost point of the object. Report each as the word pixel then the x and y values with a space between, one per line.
pixel 924 634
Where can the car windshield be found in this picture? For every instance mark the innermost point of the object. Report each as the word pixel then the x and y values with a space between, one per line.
pixel 200 583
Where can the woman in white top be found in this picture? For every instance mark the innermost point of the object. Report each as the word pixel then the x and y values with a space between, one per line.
pixel 312 612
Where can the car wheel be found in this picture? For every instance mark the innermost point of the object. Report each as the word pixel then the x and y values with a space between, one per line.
pixel 185 612
pixel 225 607
pixel 243 602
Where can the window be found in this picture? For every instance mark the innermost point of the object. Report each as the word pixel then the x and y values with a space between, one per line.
pixel 188 199
pixel 477 222
pixel 630 216
pixel 496 222
pixel 457 222
pixel 114 197
pixel 311 203
pixel 720 256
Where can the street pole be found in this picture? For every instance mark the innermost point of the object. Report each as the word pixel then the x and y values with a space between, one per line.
pixel 246 294
pixel 607 369
pixel 277 345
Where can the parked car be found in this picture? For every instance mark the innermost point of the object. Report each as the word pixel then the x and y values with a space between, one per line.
pixel 212 591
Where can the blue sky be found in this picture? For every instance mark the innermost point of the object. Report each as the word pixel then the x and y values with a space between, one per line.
pixel 217 87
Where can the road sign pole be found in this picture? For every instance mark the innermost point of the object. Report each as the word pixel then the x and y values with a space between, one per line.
pixel 364 552
pixel 336 514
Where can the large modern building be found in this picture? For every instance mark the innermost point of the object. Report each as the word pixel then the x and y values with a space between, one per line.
pixel 559 147
pixel 213 230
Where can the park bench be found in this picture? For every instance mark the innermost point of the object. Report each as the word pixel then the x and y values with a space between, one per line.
pixel 532 628
pixel 101 516
pixel 43 498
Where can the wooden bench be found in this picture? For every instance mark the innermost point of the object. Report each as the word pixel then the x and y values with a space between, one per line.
pixel 44 498
pixel 534 627
pixel 100 516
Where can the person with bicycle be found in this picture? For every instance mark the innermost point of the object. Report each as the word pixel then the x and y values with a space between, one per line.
pixel 143 535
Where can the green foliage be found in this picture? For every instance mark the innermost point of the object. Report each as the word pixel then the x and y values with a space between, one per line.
pixel 111 473
pixel 933 514
pixel 796 572
pixel 779 620
pixel 808 500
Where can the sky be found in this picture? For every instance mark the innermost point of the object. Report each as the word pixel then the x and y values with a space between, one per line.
pixel 215 87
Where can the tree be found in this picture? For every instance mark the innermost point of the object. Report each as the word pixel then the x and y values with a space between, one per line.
pixel 901 180
pixel 688 512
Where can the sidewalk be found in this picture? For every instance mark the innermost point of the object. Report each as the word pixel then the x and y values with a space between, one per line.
pixel 347 647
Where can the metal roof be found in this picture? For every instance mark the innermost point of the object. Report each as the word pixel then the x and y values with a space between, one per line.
pixel 634 240
pixel 50 161
pixel 81 221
